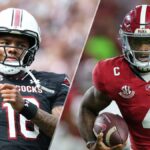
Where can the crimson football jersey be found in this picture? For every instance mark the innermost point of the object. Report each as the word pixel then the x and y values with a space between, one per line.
pixel 132 94
pixel 18 133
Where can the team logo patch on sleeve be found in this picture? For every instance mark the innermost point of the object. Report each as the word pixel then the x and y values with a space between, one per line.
pixel 66 82
pixel 126 92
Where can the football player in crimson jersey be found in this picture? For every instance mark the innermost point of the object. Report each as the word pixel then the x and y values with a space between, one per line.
pixel 125 79
pixel 31 101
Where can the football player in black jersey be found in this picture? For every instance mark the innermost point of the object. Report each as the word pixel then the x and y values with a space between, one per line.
pixel 31 101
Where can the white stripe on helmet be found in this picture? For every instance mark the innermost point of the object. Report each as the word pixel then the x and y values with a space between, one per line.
pixel 143 16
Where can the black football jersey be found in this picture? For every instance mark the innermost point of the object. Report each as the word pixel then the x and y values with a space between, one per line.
pixel 18 133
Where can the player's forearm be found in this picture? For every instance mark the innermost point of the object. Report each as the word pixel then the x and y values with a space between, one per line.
pixel 86 121
pixel 93 101
pixel 46 122
pixel 87 116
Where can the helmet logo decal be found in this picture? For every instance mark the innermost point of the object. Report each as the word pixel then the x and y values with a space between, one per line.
pixel 17 18
pixel 142 31
pixel 126 92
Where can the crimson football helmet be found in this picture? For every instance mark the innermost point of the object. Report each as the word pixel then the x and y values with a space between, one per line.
pixel 19 22
pixel 134 31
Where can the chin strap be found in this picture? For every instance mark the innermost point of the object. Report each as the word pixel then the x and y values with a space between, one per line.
pixel 37 83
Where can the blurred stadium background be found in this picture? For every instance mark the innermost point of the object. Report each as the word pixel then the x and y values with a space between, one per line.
pixel 102 43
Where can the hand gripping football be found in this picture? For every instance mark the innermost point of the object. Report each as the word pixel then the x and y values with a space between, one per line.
pixel 114 128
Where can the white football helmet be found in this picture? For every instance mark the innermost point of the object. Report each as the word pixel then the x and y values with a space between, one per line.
pixel 19 22
pixel 135 29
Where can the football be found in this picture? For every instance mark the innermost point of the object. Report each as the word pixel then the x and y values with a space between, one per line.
pixel 114 128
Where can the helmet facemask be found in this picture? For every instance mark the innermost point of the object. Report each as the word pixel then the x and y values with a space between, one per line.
pixel 136 50
pixel 25 56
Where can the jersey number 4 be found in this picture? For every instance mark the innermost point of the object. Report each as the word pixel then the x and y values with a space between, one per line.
pixel 11 118
pixel 146 121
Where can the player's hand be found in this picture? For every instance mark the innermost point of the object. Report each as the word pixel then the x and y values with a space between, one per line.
pixel 99 145
pixel 11 95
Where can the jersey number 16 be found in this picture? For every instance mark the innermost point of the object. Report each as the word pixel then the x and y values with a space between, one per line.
pixel 11 118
